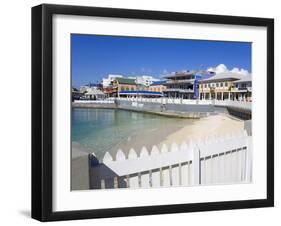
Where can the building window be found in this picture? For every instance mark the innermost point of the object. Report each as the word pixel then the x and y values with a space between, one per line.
pixel 221 84
pixel 225 84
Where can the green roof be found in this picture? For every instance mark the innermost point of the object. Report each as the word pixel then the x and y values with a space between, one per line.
pixel 129 81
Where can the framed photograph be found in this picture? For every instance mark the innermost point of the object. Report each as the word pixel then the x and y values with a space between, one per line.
pixel 145 112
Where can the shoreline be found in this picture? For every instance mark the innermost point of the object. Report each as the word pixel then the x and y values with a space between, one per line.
pixel 179 114
pixel 216 125
pixel 192 111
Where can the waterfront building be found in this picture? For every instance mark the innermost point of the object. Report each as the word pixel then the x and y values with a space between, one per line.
pixel 90 86
pixel 243 88
pixel 128 87
pixel 94 94
pixel 123 84
pixel 76 94
pixel 227 85
pixel 184 84
pixel 91 91
pixel 106 82
pixel 145 80
pixel 158 86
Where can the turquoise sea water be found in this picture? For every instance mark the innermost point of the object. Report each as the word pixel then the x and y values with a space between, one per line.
pixel 102 129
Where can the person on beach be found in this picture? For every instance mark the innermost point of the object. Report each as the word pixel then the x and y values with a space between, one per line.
pixel 163 107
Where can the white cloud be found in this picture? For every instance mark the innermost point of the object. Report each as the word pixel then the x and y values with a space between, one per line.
pixel 218 69
pixel 221 68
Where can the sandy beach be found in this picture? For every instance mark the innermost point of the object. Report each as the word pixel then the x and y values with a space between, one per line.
pixel 217 125
pixel 186 130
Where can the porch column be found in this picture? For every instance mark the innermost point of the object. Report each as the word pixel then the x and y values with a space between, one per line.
pixel 216 95
pixel 221 95
pixel 228 95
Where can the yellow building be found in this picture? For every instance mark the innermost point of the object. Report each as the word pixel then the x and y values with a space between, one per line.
pixel 123 84
pixel 157 86
pixel 229 85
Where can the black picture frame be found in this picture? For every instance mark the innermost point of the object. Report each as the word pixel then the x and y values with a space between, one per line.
pixel 42 197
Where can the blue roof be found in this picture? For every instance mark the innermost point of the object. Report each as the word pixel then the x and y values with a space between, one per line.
pixel 158 83
pixel 140 92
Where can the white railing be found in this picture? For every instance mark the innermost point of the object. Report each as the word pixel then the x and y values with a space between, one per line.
pixel 94 101
pixel 165 100
pixel 216 160
pixel 181 81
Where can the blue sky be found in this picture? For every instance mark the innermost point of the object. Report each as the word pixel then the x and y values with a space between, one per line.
pixel 96 56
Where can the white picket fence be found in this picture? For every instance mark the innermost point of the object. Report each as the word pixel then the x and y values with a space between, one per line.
pixel 215 160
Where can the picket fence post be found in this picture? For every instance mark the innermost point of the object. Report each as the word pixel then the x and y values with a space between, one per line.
pixel 249 160
pixel 196 166
pixel 166 170
pixel 133 180
pixel 144 177
pixel 155 174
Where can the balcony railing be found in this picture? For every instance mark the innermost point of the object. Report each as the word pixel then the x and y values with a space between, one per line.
pixel 249 89
pixel 179 90
pixel 180 81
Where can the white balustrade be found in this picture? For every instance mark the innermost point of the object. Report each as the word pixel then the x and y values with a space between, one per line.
pixel 165 100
